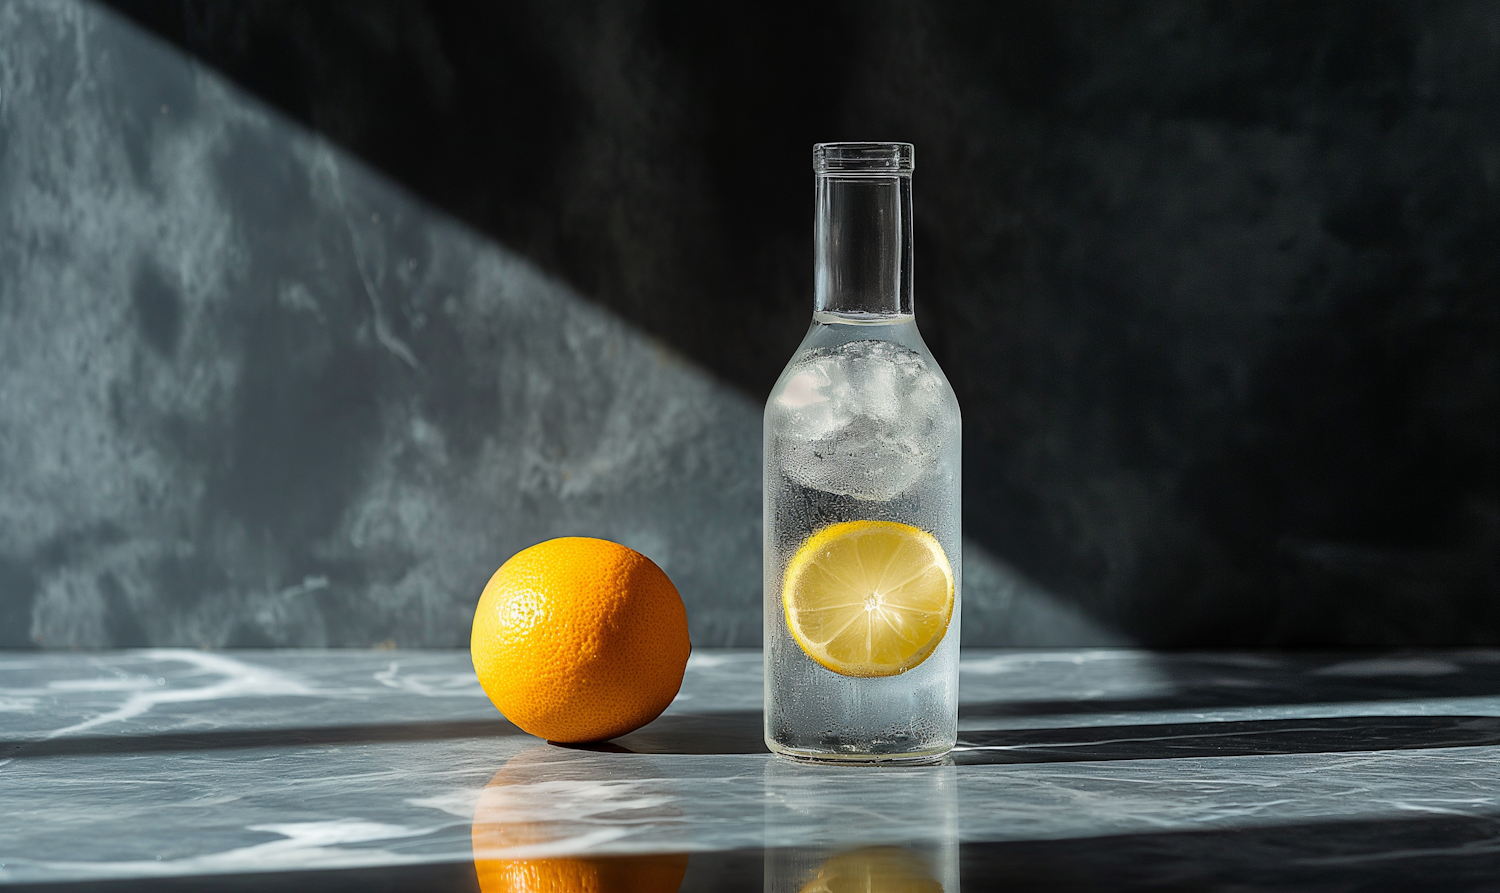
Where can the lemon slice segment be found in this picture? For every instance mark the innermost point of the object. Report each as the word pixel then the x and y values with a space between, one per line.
pixel 869 598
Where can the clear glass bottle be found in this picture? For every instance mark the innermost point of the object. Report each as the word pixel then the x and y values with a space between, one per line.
pixel 861 427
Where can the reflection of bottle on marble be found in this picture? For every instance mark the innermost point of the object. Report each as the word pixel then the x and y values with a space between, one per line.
pixel 896 829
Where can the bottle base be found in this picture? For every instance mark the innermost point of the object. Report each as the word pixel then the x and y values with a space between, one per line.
pixel 852 758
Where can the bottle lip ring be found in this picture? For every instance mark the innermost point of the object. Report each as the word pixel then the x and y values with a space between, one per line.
pixel 864 159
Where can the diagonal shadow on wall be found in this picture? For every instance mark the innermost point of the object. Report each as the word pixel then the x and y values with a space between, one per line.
pixel 262 395
pixel 1224 371
pixel 1212 288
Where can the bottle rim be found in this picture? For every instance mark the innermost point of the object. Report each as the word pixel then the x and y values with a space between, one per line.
pixel 868 159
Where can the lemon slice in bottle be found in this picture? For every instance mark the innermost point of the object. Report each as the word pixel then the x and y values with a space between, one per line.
pixel 869 598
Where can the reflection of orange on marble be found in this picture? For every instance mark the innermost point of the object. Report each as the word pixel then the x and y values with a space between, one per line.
pixel 496 827
pixel 878 869
pixel 583 874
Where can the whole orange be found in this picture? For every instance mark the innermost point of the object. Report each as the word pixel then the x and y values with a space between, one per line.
pixel 579 639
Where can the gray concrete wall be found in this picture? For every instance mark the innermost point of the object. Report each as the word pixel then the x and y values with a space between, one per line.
pixel 311 314
pixel 253 393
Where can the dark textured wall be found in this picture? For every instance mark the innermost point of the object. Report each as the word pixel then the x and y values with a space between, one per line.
pixel 310 314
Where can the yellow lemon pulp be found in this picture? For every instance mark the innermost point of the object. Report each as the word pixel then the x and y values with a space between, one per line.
pixel 869 598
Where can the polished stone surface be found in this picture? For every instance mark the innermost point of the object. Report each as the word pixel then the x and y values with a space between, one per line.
pixel 1076 769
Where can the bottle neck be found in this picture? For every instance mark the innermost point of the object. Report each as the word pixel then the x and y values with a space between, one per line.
pixel 863 244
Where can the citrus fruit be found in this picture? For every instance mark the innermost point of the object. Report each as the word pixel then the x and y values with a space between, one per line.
pixel 881 869
pixel 869 598
pixel 579 639
pixel 509 815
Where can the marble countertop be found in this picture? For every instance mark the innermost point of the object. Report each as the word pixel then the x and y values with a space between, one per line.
pixel 1077 769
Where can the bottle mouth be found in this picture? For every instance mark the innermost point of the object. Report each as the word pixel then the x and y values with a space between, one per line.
pixel 864 159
